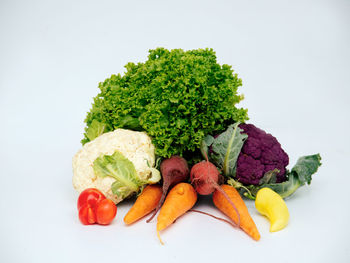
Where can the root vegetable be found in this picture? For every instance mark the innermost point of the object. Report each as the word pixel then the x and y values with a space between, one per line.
pixel 144 204
pixel 181 198
pixel 205 176
pixel 246 223
pixel 174 170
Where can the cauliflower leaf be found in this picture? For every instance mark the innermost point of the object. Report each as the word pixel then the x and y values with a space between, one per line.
pixel 122 170
pixel 225 148
pixel 305 167
pixel 300 174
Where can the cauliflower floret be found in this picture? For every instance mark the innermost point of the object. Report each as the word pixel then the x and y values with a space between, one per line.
pixel 136 146
pixel 261 153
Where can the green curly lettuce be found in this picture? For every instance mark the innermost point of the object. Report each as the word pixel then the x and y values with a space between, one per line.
pixel 176 96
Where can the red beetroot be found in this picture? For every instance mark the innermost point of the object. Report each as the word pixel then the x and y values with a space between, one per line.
pixel 205 177
pixel 174 170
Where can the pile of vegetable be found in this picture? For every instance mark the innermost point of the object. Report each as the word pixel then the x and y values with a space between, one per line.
pixel 168 131
pixel 252 159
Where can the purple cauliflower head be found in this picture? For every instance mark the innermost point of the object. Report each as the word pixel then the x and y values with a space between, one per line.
pixel 260 153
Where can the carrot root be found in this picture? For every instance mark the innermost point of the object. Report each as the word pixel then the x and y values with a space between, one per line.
pixel 217 187
pixel 144 204
pixel 160 240
pixel 181 198
pixel 246 224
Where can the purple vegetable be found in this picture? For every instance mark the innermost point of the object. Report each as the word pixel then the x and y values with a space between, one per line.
pixel 260 153
pixel 174 170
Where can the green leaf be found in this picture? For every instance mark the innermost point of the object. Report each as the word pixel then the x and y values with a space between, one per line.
pixel 269 177
pixel 241 188
pixel 95 129
pixel 129 122
pixel 176 96
pixel 306 166
pixel 122 170
pixel 284 189
pixel 206 143
pixel 300 174
pixel 226 148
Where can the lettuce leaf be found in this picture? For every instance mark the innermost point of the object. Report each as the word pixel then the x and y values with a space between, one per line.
pixel 95 129
pixel 176 96
pixel 122 170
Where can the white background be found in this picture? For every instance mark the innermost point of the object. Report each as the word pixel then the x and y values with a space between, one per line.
pixel 293 57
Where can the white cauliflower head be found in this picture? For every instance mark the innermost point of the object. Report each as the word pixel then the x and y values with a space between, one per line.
pixel 136 146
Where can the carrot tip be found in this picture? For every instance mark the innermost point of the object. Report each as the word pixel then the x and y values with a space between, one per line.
pixel 160 240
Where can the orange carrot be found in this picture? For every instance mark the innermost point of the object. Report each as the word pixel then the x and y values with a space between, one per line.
pixel 144 204
pixel 246 222
pixel 180 199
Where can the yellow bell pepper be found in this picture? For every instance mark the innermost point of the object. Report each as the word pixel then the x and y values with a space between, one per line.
pixel 271 205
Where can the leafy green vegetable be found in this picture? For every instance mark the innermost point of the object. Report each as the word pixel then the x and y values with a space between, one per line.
pixel 269 177
pixel 305 167
pixel 95 130
pixel 122 170
pixel 226 148
pixel 300 174
pixel 176 96
pixel 206 143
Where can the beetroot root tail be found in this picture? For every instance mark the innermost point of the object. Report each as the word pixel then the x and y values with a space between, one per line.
pixel 161 201
pixel 218 218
